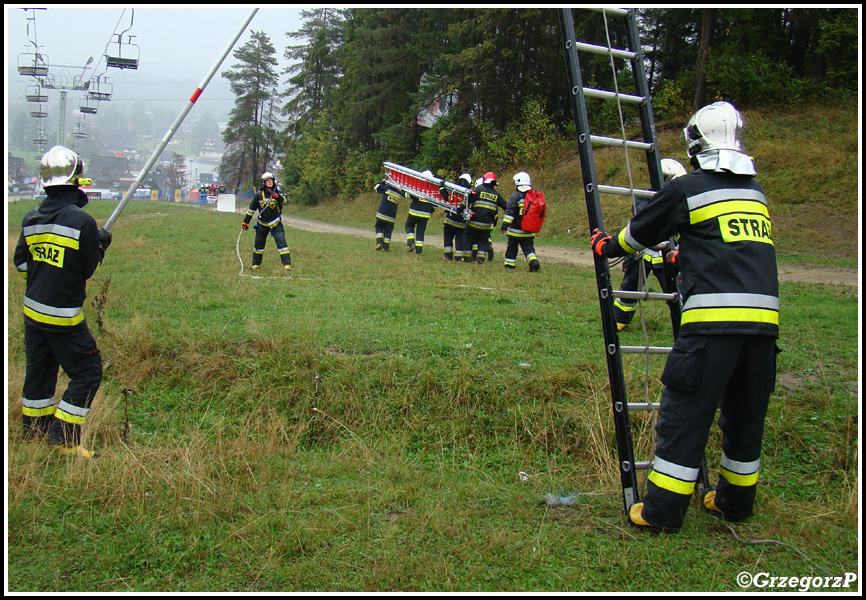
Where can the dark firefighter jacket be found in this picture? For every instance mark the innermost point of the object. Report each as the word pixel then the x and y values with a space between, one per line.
pixel 455 219
pixel 727 260
pixel 484 202
pixel 420 208
pixel 58 251
pixel 514 215
pixel 390 201
pixel 270 209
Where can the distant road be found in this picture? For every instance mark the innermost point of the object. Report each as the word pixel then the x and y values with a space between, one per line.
pixel 788 272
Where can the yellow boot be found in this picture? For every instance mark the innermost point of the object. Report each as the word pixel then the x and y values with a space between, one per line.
pixel 634 515
pixel 77 452
pixel 710 501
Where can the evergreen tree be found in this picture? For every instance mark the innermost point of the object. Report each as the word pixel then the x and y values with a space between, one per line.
pixel 253 135
pixel 314 67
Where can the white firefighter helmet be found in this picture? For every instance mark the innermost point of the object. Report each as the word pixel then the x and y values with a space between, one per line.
pixel 479 181
pixel 268 175
pixel 60 166
pixel 522 181
pixel 465 179
pixel 718 126
pixel 428 173
pixel 671 169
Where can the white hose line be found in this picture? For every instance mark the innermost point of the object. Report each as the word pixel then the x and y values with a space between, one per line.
pixel 241 272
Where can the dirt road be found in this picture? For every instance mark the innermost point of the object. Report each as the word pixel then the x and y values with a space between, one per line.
pixel 787 272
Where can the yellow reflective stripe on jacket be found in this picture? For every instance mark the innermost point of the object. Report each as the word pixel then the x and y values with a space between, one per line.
pixel 714 315
pixel 754 308
pixel 627 242
pixel 51 238
pixel 519 233
pixel 50 315
pixel 270 224
pixel 718 209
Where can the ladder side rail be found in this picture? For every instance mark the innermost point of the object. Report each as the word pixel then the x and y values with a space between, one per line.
pixel 648 130
pixel 616 376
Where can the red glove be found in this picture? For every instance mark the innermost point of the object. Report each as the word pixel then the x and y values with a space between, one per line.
pixel 599 242
pixel 274 196
pixel 245 225
pixel 672 257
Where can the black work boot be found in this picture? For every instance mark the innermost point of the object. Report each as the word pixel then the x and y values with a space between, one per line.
pixel 36 428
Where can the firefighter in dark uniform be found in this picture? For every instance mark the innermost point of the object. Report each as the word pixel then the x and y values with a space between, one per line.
pixel 652 260
pixel 59 249
pixel 484 202
pixel 416 223
pixel 269 202
pixel 387 214
pixel 454 226
pixel 725 356
pixel 517 237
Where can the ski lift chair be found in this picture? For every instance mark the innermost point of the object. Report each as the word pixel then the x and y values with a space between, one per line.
pixel 102 92
pixel 38 110
pixel 87 109
pixel 35 93
pixel 125 58
pixel 80 131
pixel 32 64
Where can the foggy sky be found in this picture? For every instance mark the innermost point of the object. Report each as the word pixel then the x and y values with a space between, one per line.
pixel 179 44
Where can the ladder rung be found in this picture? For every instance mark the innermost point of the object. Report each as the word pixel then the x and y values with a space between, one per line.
pixel 643 464
pixel 605 50
pixel 609 141
pixel 623 191
pixel 644 296
pixel 594 93
pixel 622 12
pixel 645 349
pixel 643 406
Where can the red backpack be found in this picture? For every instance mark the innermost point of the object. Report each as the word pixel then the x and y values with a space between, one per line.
pixel 534 211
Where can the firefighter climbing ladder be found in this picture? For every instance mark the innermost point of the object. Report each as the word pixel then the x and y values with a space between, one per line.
pixel 593 189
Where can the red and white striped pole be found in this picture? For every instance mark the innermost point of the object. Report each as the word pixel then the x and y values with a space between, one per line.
pixel 170 133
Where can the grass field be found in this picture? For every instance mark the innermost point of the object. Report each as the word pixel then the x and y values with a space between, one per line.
pixel 362 426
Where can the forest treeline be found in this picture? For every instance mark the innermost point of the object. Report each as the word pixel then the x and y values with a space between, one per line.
pixel 360 77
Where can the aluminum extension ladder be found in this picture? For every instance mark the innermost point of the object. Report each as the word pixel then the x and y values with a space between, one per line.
pixel 641 101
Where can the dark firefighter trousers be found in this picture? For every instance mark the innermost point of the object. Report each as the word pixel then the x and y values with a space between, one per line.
pixel 415 230
pixel 76 352
pixel 384 229
pixel 736 374
pixel 279 235
pixel 453 240
pixel 526 243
